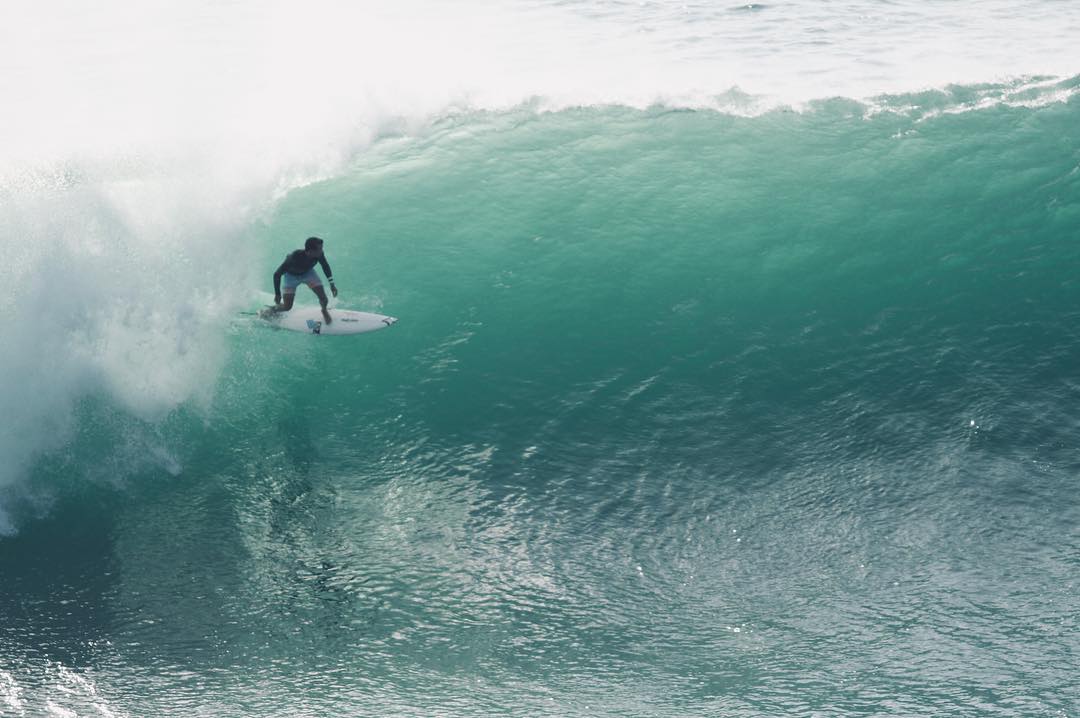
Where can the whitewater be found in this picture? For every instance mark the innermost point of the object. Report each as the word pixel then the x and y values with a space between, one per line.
pixel 735 372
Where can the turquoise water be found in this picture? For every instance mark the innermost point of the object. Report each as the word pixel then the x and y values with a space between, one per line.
pixel 689 412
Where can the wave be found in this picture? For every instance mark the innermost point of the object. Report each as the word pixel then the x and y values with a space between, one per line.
pixel 933 227
pixel 716 364
pixel 138 232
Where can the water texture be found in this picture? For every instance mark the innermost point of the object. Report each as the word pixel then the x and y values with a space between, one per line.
pixel 735 373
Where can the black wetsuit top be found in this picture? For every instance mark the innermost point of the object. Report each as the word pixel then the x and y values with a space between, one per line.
pixel 299 262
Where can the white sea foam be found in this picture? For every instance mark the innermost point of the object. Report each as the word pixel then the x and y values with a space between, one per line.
pixel 118 286
pixel 289 79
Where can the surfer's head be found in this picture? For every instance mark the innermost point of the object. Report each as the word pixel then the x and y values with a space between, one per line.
pixel 313 246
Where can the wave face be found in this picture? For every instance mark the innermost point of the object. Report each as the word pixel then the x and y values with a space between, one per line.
pixel 742 398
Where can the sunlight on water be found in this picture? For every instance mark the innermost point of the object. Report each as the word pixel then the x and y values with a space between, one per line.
pixel 734 373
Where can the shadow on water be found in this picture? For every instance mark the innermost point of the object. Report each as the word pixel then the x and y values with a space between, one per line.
pixel 146 562
pixel 55 578
pixel 300 453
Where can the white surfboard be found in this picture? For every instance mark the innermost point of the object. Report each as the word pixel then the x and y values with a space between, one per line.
pixel 309 320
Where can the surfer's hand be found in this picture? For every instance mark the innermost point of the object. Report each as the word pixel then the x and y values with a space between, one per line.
pixel 277 299
pixel 333 289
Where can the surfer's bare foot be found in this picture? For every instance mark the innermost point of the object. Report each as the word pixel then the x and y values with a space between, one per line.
pixel 326 315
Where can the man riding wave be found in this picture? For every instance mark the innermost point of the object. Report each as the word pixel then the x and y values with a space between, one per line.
pixel 299 267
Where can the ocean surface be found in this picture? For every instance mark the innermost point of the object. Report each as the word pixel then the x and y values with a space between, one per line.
pixel 737 370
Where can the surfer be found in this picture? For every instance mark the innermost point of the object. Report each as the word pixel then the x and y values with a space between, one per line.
pixel 299 267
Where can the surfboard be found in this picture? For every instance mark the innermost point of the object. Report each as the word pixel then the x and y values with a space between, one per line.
pixel 309 320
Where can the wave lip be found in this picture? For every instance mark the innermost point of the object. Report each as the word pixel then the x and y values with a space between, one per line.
pixel 111 80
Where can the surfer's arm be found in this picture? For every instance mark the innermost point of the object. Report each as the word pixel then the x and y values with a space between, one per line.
pixel 329 275
pixel 277 282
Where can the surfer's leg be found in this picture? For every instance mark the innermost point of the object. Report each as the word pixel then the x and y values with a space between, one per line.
pixel 286 303
pixel 321 294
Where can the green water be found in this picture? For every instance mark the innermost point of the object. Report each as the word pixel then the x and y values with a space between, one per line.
pixel 686 414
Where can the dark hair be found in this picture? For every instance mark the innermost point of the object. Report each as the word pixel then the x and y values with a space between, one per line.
pixel 313 243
